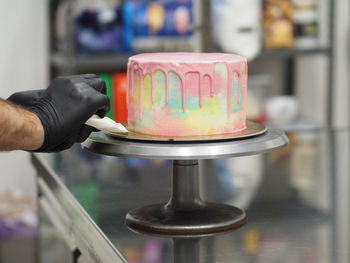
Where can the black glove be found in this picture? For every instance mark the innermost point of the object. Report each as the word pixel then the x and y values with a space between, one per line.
pixel 26 98
pixel 64 107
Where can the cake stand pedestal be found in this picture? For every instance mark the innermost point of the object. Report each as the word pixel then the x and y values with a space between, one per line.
pixel 186 213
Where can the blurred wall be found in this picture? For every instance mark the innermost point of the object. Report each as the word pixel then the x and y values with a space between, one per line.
pixel 311 86
pixel 23 66
pixel 341 110
pixel 312 72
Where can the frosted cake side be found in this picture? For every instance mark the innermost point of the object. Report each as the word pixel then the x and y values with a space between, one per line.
pixel 187 94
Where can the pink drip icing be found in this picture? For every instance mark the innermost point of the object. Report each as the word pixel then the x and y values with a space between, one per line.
pixel 228 92
pixel 212 85
pixel 231 69
pixel 152 77
pixel 199 85
pixel 200 90
pixel 182 64
pixel 245 85
pixel 128 84
pixel 132 81
pixel 141 95
pixel 239 86
pixel 166 87
pixel 183 86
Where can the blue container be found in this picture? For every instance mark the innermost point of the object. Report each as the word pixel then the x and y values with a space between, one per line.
pixel 155 18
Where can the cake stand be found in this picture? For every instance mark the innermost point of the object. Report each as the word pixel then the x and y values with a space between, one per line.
pixel 186 213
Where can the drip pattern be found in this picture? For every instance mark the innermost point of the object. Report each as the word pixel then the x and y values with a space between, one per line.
pixel 182 65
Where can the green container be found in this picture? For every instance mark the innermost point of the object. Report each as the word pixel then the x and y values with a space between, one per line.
pixel 87 194
pixel 108 79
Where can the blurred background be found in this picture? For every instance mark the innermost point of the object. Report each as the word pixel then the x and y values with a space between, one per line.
pixel 297 51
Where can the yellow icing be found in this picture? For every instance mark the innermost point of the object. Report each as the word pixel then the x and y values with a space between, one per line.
pixel 159 89
pixel 147 92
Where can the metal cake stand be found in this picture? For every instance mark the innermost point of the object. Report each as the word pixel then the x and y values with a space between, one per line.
pixel 186 213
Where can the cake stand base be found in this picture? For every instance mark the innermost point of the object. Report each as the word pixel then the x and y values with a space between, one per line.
pixel 186 213
pixel 210 218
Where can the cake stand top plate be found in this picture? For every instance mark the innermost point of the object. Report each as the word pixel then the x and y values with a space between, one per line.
pixel 271 139
pixel 253 129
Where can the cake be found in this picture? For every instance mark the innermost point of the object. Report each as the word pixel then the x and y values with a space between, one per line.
pixel 186 94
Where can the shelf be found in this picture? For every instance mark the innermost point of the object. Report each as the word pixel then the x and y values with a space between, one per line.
pixel 290 53
pixel 301 124
pixel 97 63
pixel 118 62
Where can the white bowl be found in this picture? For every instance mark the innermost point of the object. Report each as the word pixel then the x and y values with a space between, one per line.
pixel 281 109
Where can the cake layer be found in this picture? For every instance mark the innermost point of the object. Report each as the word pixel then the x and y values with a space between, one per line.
pixel 185 94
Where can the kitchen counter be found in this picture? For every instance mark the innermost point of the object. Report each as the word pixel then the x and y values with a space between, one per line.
pixel 296 200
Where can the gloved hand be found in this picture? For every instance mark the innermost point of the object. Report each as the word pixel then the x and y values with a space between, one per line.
pixel 64 107
pixel 26 98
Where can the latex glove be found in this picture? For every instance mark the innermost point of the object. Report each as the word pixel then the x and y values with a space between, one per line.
pixel 64 107
pixel 26 98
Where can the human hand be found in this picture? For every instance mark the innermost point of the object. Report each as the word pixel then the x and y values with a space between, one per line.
pixel 64 107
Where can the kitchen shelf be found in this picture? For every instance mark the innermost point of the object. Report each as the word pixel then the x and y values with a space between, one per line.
pixel 292 53
pixel 96 63
pixel 300 124
pixel 118 62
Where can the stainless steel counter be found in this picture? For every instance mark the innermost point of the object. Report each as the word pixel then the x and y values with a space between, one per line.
pixel 296 200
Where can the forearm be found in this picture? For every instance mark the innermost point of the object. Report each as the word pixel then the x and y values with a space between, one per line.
pixel 20 129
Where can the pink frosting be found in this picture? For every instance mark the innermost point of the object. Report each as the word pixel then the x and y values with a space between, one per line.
pixel 182 64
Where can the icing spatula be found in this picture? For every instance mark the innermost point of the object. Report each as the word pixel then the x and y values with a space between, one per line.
pixel 105 124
